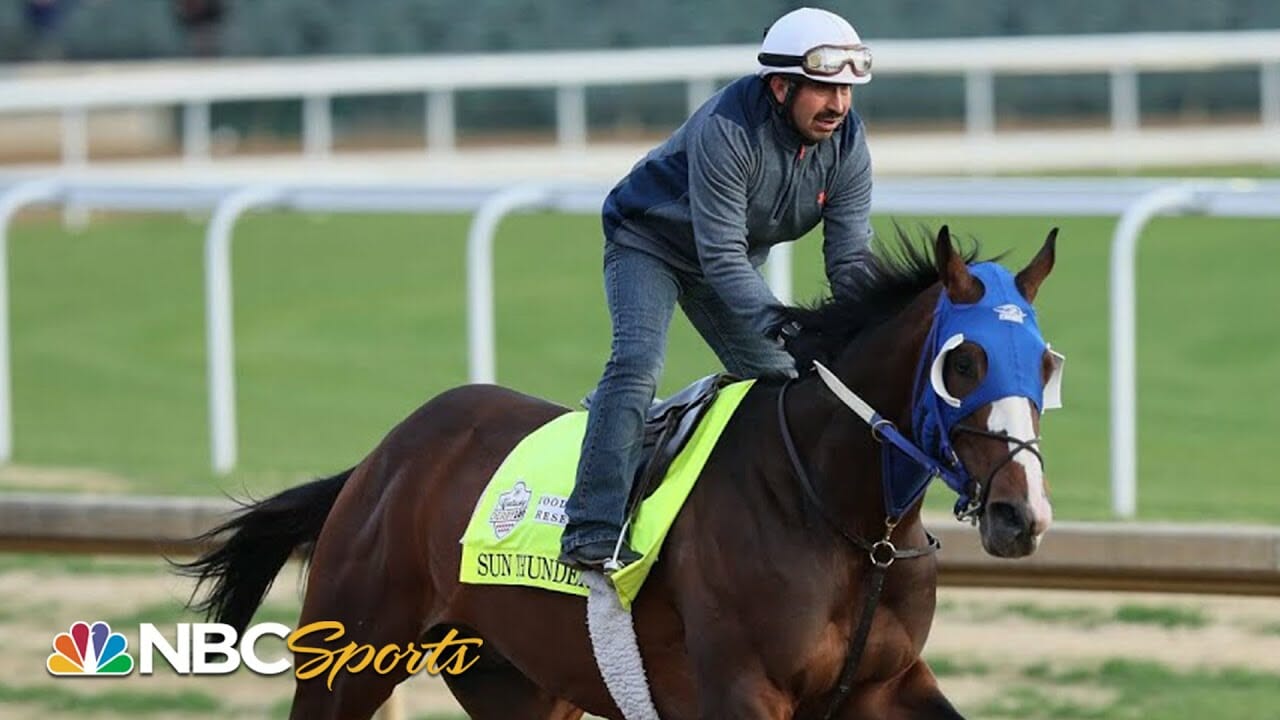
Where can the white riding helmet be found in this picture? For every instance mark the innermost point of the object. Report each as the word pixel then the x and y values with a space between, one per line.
pixel 815 44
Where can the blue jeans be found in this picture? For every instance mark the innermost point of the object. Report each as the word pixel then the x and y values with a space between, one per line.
pixel 642 292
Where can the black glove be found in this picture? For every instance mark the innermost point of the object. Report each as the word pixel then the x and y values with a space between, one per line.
pixel 804 346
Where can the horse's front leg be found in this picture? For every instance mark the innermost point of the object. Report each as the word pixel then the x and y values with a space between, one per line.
pixel 728 673
pixel 913 695
pixel 729 689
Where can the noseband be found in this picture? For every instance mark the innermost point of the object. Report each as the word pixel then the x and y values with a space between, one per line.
pixel 979 489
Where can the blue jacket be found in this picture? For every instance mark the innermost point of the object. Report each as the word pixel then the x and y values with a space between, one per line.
pixel 735 180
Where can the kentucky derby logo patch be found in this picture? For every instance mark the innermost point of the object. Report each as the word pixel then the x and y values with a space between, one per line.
pixel 1010 313
pixel 510 509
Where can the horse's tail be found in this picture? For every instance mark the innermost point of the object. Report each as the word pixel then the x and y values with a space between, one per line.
pixel 263 536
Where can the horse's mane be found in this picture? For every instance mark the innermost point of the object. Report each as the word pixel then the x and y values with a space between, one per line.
pixel 902 269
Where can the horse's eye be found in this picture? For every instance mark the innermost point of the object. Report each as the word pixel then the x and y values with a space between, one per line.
pixel 964 366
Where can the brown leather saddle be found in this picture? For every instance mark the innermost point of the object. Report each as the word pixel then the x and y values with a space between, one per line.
pixel 668 426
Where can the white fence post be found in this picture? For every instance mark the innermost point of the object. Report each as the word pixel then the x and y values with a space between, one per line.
pixel 697 92
pixel 1270 94
pixel 29 193
pixel 979 103
pixel 196 144
pixel 75 137
pixel 317 127
pixel 571 117
pixel 480 323
pixel 1125 114
pixel 1124 328
pixel 441 135
pixel 75 157
pixel 218 319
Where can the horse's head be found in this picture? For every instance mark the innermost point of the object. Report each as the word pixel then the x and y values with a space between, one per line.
pixel 990 375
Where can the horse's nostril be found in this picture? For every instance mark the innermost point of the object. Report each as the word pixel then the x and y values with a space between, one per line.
pixel 1008 516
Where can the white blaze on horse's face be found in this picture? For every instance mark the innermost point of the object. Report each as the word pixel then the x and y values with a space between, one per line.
pixel 1016 416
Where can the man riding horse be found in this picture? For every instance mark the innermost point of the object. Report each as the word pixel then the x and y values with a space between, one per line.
pixel 760 163
pixel 798 579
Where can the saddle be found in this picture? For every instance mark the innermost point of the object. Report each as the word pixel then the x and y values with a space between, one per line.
pixel 668 426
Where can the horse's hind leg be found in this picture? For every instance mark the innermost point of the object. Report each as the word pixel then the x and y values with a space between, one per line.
pixel 502 693
pixel 354 695
pixel 378 597
pixel 493 689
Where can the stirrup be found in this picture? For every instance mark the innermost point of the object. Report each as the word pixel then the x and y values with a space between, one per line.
pixel 613 564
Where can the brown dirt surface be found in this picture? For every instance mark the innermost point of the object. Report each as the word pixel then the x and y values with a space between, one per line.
pixel 1000 632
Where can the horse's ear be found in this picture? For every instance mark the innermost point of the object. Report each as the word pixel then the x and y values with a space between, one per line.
pixel 1034 273
pixel 961 286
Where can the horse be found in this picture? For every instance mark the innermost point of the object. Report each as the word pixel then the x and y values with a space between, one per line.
pixel 761 584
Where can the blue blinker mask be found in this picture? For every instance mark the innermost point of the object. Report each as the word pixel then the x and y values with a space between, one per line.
pixel 1004 325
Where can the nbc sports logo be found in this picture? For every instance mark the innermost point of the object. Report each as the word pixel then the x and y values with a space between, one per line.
pixel 90 651
pixel 217 649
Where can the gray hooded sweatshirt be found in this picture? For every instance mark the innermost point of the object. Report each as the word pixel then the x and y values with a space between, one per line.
pixel 735 180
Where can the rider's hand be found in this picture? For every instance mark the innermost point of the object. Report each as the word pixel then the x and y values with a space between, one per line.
pixel 804 346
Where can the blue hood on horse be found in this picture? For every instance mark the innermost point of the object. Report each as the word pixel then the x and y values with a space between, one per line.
pixel 1004 325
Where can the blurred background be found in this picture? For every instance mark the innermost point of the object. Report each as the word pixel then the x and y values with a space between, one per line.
pixel 1041 88
pixel 353 148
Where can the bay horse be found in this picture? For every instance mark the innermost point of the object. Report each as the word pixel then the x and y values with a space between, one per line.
pixel 750 608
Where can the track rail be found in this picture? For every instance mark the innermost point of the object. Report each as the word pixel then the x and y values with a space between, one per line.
pixel 1139 557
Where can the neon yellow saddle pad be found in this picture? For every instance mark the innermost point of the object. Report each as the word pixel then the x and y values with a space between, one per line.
pixel 514 534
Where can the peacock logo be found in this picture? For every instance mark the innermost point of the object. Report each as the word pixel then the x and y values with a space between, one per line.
pixel 90 651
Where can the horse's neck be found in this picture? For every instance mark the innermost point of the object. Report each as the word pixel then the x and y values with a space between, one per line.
pixel 836 443
pixel 881 366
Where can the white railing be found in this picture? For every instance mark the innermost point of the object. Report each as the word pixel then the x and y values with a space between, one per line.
pixel 194 86
pixel 1134 201
pixel 1092 556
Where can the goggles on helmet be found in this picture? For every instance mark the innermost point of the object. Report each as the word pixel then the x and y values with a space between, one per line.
pixel 824 60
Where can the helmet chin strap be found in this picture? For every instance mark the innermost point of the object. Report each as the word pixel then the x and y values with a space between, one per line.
pixel 784 108
pixel 789 100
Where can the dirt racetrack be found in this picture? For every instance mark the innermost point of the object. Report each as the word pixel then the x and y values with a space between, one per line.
pixel 1058 649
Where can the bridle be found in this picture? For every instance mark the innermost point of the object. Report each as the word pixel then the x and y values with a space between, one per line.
pixel 1003 321
pixel 883 553
pixel 979 489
